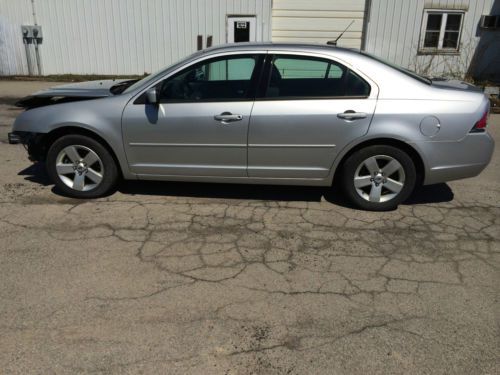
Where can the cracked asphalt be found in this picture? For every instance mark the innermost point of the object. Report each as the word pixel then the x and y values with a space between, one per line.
pixel 178 278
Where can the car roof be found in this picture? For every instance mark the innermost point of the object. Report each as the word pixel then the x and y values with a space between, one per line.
pixel 306 47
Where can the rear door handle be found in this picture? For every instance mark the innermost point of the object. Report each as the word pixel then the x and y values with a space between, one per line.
pixel 226 117
pixel 351 115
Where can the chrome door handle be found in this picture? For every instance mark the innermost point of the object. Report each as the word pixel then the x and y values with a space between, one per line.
pixel 226 117
pixel 351 115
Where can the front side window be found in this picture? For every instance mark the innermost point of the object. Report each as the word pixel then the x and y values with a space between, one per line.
pixel 221 79
pixel 441 31
pixel 300 77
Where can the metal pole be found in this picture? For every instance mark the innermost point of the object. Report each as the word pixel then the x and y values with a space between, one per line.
pixel 37 51
pixel 38 58
pixel 28 58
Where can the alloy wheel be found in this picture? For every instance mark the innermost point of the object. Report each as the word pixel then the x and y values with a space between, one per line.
pixel 379 178
pixel 79 167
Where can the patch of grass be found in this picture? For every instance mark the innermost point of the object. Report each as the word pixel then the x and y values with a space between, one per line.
pixel 70 77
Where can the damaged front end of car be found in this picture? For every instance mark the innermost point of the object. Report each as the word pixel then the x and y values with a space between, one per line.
pixel 75 92
pixel 33 142
pixel 36 143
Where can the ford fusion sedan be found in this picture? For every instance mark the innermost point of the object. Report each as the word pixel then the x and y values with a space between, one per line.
pixel 285 114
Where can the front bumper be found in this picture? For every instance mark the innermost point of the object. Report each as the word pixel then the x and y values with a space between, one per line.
pixel 19 137
pixel 34 143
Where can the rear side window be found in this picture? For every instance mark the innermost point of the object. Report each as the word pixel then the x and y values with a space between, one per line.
pixel 297 77
pixel 355 85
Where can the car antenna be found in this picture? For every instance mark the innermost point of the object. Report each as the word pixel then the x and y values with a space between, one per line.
pixel 334 42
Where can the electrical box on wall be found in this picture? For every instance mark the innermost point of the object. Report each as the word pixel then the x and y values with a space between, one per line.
pixel 32 33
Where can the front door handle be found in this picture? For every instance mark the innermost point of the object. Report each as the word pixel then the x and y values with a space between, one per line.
pixel 227 117
pixel 351 115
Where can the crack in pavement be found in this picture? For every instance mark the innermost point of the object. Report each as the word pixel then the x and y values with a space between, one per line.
pixel 206 285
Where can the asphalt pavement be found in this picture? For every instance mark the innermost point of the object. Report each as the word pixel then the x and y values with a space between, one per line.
pixel 186 278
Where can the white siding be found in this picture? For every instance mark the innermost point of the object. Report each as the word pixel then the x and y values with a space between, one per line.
pixel 318 21
pixel 12 54
pixel 118 36
pixel 394 29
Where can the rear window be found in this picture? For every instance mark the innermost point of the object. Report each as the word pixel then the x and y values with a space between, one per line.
pixel 400 69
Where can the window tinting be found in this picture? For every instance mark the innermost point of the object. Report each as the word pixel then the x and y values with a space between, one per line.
pixel 230 70
pixel 305 77
pixel 300 68
pixel 356 86
pixel 216 80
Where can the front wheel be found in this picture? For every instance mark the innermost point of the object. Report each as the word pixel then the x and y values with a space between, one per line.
pixel 378 178
pixel 81 167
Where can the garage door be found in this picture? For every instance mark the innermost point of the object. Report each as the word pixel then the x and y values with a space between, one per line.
pixel 318 21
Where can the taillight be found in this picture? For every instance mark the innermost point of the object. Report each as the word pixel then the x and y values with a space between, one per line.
pixel 480 126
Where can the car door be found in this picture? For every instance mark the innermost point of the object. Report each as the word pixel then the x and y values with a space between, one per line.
pixel 200 126
pixel 309 109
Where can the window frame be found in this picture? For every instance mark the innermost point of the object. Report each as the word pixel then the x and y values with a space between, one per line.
pixel 254 80
pixel 266 76
pixel 442 30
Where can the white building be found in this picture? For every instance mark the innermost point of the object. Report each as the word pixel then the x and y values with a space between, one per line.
pixel 435 37
pixel 137 36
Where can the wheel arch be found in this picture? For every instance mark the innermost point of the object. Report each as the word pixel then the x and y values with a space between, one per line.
pixel 49 138
pixel 386 141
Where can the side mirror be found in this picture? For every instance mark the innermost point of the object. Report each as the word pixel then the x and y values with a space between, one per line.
pixel 152 96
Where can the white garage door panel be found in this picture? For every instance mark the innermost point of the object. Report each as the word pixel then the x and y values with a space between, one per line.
pixel 340 5
pixel 318 14
pixel 315 34
pixel 318 21
pixel 347 43
pixel 324 24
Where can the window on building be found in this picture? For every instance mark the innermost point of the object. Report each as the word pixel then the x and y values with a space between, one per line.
pixel 441 31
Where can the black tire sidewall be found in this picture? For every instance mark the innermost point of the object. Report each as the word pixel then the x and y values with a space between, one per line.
pixel 354 160
pixel 110 168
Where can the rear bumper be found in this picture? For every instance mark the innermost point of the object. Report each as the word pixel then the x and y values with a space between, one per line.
pixel 448 161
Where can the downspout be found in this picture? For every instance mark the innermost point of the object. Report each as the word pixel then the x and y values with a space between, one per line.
pixel 366 21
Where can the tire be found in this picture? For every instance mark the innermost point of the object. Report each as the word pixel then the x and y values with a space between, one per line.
pixel 379 186
pixel 81 167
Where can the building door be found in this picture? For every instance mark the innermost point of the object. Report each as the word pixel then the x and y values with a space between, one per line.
pixel 241 29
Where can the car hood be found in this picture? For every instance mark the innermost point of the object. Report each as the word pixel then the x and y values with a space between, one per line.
pixel 89 88
pixel 74 92
pixel 454 85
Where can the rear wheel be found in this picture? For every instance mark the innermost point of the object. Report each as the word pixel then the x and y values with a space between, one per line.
pixel 378 178
pixel 81 167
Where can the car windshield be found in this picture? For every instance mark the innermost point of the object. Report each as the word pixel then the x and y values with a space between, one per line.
pixel 399 68
pixel 152 77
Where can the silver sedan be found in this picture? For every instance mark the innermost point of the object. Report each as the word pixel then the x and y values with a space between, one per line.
pixel 262 114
